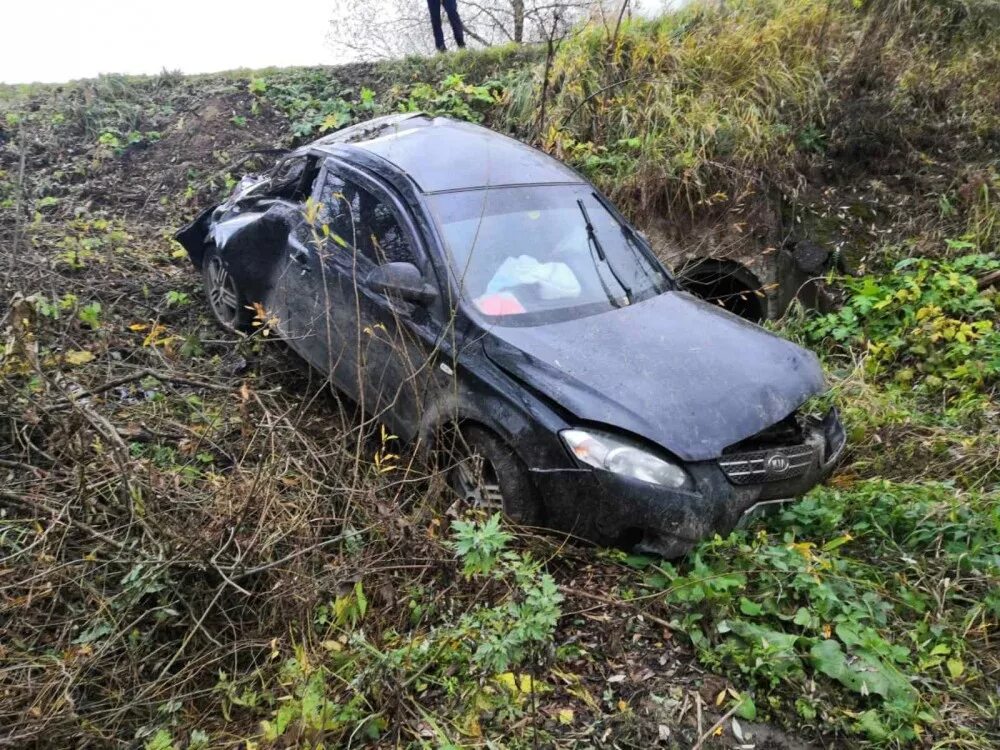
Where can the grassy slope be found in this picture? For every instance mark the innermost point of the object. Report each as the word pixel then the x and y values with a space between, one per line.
pixel 196 537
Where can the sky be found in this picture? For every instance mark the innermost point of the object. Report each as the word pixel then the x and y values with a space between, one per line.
pixel 52 41
pixel 60 40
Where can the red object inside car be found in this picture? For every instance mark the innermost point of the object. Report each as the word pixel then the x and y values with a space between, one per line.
pixel 500 303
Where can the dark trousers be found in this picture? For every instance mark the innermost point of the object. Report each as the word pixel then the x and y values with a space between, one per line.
pixel 451 8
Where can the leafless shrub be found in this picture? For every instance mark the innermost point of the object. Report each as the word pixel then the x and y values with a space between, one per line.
pixel 395 28
pixel 163 519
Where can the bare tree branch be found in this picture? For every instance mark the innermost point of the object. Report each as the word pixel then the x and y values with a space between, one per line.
pixel 395 28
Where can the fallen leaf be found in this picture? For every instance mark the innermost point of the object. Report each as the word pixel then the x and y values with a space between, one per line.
pixel 78 357
pixel 737 730
pixel 955 668
pixel 583 694
pixel 508 680
pixel 473 728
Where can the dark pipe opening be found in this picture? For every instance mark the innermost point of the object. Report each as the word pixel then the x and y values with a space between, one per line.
pixel 727 284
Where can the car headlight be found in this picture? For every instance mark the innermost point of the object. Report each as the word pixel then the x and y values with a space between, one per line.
pixel 620 456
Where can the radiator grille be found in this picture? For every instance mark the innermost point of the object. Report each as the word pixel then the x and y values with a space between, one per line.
pixel 771 465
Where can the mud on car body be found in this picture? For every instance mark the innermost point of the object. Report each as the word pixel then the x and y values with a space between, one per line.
pixel 456 282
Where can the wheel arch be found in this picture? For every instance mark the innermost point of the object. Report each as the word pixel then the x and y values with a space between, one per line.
pixel 510 422
pixel 451 413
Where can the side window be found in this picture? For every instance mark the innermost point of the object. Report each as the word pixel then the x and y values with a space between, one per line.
pixel 328 205
pixel 293 178
pixel 388 240
pixel 331 204
pixel 358 219
pixel 371 226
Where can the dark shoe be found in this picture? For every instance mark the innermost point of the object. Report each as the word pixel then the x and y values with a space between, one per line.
pixel 442 49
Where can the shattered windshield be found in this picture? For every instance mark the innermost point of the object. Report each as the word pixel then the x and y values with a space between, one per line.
pixel 538 253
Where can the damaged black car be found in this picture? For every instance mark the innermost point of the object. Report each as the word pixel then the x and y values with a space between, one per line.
pixel 453 281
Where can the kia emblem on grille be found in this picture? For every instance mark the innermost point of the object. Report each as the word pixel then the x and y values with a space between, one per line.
pixel 776 464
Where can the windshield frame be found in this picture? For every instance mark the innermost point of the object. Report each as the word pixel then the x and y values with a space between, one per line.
pixel 630 236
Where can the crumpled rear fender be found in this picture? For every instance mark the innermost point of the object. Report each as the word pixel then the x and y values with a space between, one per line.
pixel 194 236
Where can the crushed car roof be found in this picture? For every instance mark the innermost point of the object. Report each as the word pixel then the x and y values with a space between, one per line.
pixel 441 154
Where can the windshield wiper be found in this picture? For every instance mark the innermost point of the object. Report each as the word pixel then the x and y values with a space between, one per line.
pixel 642 258
pixel 632 237
pixel 595 243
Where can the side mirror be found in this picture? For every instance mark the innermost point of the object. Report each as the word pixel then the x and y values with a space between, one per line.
pixel 402 280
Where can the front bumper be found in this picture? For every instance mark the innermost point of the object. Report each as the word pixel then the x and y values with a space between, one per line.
pixel 615 510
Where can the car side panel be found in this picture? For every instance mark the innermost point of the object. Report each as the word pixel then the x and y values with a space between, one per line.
pixel 253 244
pixel 475 390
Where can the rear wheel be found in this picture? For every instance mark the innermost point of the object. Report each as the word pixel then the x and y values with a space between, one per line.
pixel 486 474
pixel 224 297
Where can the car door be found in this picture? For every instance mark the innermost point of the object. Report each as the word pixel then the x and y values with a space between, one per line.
pixel 395 339
pixel 317 305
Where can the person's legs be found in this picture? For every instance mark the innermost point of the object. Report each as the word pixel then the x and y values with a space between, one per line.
pixel 435 8
pixel 451 8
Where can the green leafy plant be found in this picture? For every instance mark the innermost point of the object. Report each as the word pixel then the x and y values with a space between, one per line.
pixel 345 610
pixel 800 605
pixel 812 138
pixel 506 633
pixel 176 298
pixel 927 324
pixel 309 707
pixel 85 237
pixel 110 140
pixel 454 98
pixel 162 740
pixel 117 142
pixel 480 545
pixel 90 315
pixel 312 101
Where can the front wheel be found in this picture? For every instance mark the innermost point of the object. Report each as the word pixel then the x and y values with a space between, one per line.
pixel 486 474
pixel 224 297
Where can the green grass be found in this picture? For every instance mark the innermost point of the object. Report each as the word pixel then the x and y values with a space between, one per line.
pixel 673 112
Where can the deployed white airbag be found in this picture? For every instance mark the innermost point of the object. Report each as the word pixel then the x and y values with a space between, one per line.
pixel 555 280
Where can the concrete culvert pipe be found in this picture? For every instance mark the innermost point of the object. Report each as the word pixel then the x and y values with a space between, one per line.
pixel 727 284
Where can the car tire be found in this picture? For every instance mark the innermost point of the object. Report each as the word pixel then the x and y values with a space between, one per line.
pixel 486 474
pixel 225 300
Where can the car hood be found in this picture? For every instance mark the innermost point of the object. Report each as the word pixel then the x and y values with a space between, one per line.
pixel 682 373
